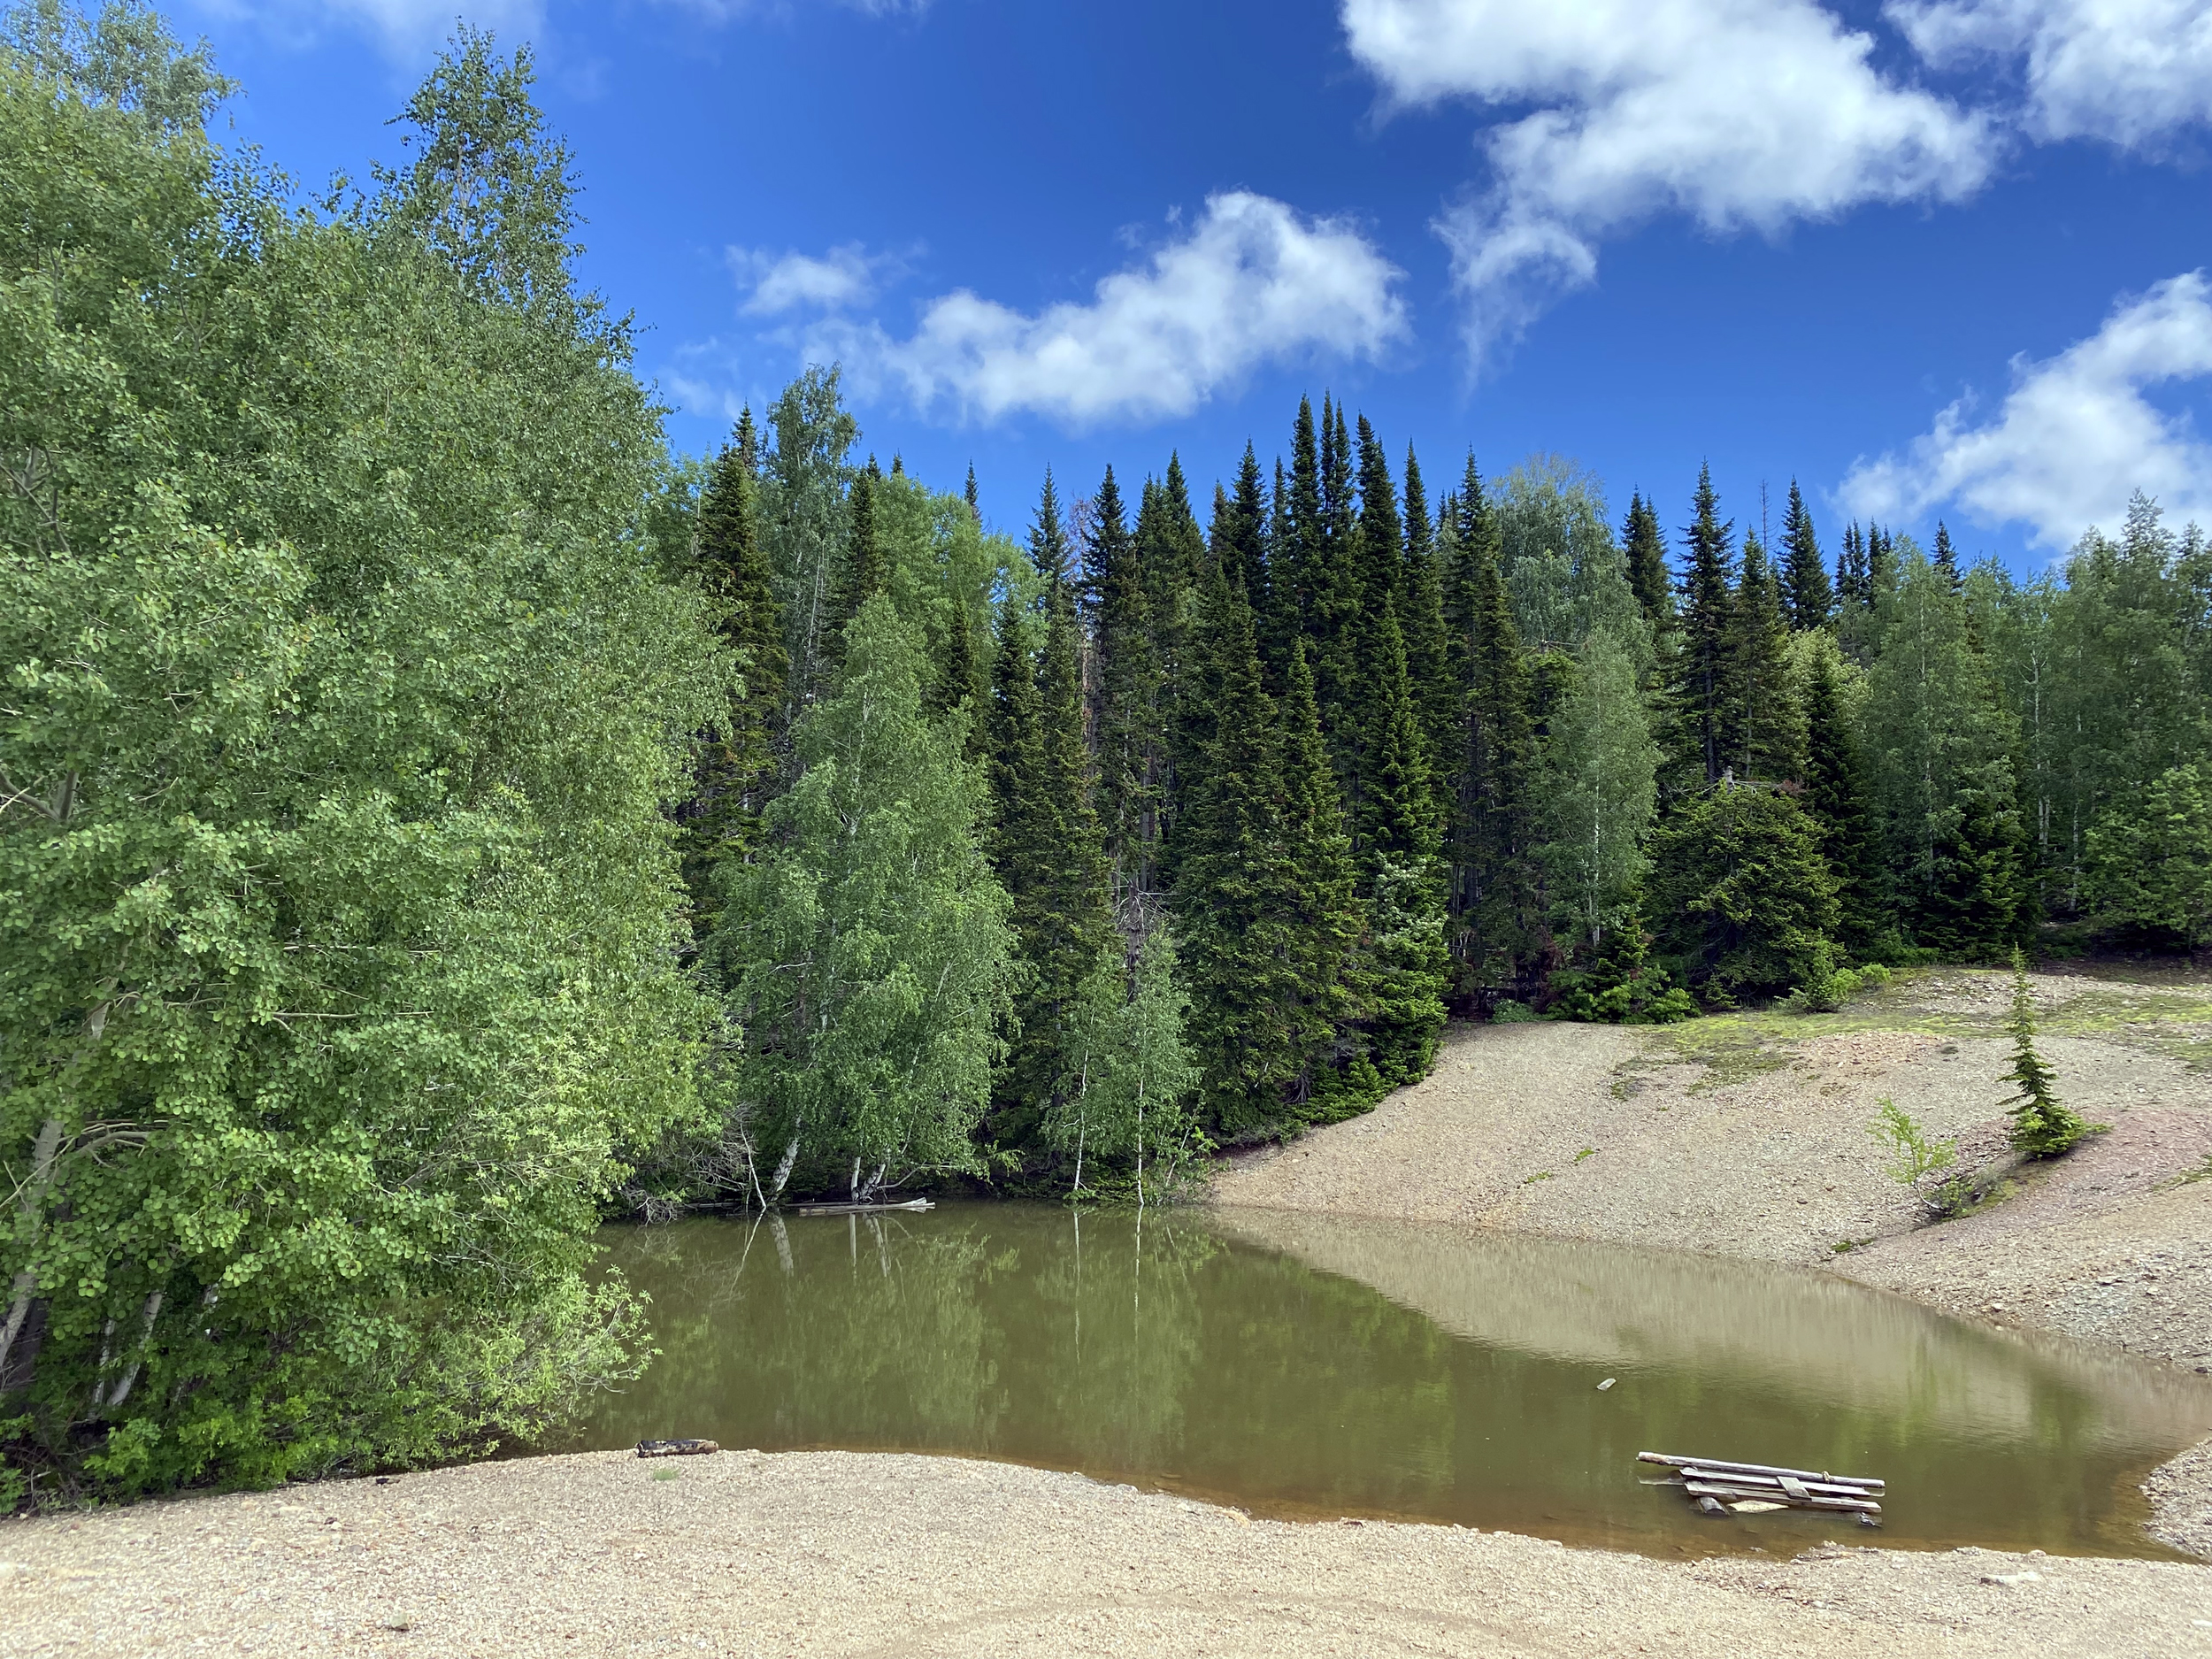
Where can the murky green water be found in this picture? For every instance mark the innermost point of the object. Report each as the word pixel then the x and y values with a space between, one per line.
pixel 1317 1365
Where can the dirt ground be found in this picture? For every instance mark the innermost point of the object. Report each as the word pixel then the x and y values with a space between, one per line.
pixel 834 1552
pixel 1746 1135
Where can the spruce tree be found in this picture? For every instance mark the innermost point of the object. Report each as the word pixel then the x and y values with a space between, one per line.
pixel 1428 650
pixel 1840 797
pixel 1946 559
pixel 1129 735
pixel 866 572
pixel 975 505
pixel 1381 539
pixel 1741 896
pixel 2043 1126
pixel 1852 588
pixel 1496 906
pixel 1697 692
pixel 1647 551
pixel 736 765
pixel 1881 565
pixel 1761 727
pixel 1325 920
pixel 1811 597
pixel 1399 838
pixel 1240 538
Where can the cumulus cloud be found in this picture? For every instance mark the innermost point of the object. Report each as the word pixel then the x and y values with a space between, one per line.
pixel 2074 437
pixel 2128 71
pixel 845 276
pixel 1741 113
pixel 1250 282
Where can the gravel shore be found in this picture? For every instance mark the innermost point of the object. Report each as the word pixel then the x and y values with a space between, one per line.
pixel 833 1553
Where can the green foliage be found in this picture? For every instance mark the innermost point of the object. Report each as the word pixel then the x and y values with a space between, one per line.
pixel 2149 861
pixel 1599 791
pixel 2043 1126
pixel 866 950
pixel 1914 1156
pixel 340 979
pixel 1742 896
pixel 1128 1101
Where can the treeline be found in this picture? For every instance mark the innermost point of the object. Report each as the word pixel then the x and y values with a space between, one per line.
pixel 1259 801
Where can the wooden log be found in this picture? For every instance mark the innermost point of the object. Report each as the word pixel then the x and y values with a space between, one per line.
pixel 1712 1506
pixel 863 1209
pixel 1671 1462
pixel 1777 1483
pixel 675 1448
pixel 1771 1495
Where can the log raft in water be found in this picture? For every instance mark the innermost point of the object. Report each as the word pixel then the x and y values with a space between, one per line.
pixel 1714 1484
pixel 862 1210
pixel 676 1449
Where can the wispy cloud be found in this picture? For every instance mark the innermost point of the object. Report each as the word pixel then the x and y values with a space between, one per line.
pixel 2074 437
pixel 407 30
pixel 1250 282
pixel 1739 113
pixel 844 277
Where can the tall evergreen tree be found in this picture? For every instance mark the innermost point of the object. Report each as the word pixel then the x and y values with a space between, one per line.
pixel 975 504
pixel 735 766
pixel 1496 904
pixel 866 571
pixel 1128 691
pixel 1763 733
pixel 1380 552
pixel 1839 798
pixel 1647 551
pixel 1811 597
pixel 1399 835
pixel 1852 588
pixel 1946 559
pixel 1697 693
pixel 1240 538
pixel 1428 648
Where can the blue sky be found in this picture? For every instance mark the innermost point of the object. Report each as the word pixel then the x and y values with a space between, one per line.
pixel 1935 258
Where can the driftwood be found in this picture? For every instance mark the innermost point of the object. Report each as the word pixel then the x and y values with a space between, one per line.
pixel 1716 1486
pixel 1719 1467
pixel 675 1448
pixel 862 1210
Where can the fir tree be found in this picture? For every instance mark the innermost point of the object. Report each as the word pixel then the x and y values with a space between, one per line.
pixel 1840 797
pixel 2043 1126
pixel 1323 916
pixel 866 571
pixel 1495 906
pixel 1741 895
pixel 1647 551
pixel 1381 536
pixel 1240 541
pixel 1428 650
pixel 1852 588
pixel 1697 695
pixel 1946 559
pixel 975 505
pixel 735 766
pixel 1881 566
pixel 1128 693
pixel 1399 836
pixel 1812 599
pixel 1761 728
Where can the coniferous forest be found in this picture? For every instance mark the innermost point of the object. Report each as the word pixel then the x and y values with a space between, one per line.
pixel 437 817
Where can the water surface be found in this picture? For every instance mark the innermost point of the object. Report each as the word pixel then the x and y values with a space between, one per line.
pixel 1311 1365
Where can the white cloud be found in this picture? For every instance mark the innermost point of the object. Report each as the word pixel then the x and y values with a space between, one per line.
pixel 2074 437
pixel 843 277
pixel 409 30
pixel 1741 113
pixel 1251 283
pixel 2129 70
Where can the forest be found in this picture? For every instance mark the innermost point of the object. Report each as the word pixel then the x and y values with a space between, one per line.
pixel 437 817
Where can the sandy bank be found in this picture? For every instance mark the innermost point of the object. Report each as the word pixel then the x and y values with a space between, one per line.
pixel 842 1554
pixel 1746 1136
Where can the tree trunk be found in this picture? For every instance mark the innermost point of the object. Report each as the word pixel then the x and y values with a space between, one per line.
pixel 43 1152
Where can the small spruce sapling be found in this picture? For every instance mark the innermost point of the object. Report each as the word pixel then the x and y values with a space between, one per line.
pixel 2042 1125
pixel 1916 1157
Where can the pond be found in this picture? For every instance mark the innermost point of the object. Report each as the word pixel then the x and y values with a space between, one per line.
pixel 1321 1366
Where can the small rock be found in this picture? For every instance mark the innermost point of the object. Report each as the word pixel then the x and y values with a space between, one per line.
pixel 1608 1383
pixel 2008 1579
